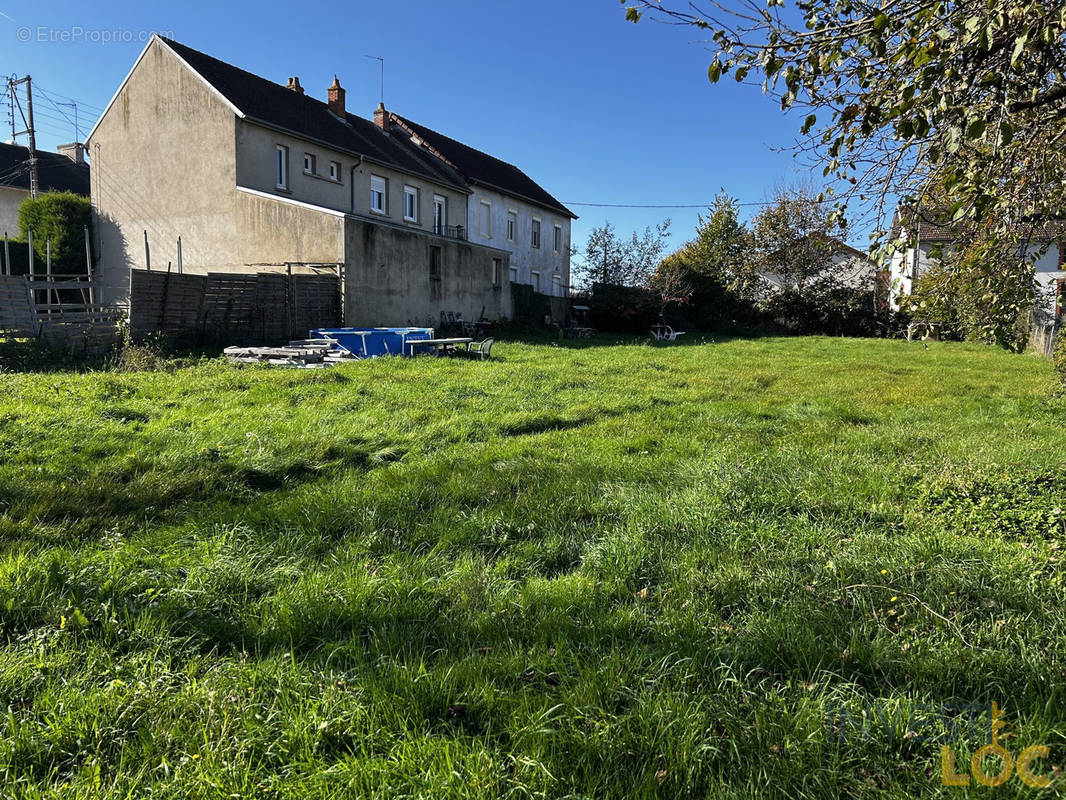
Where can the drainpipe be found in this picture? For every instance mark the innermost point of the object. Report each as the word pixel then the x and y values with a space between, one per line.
pixel 351 180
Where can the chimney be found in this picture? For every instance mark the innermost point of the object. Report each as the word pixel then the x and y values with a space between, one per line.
pixel 294 85
pixel 75 151
pixel 336 98
pixel 381 117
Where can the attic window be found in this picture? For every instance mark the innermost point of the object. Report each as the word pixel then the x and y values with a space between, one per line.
pixel 309 164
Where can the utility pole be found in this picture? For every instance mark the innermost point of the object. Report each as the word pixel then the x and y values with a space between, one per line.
pixel 11 84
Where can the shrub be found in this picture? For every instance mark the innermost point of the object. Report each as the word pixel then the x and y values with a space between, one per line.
pixel 1058 355
pixel 62 218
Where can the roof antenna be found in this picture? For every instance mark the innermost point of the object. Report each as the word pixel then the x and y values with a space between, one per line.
pixel 381 61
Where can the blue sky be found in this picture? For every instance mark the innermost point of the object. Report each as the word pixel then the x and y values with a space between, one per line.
pixel 596 109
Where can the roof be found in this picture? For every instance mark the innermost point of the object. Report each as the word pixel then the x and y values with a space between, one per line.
pixel 481 168
pixel 55 172
pixel 934 226
pixel 264 101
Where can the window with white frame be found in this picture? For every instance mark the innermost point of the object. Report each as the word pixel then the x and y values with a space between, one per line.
pixel 557 238
pixel 512 225
pixel 377 194
pixel 557 285
pixel 534 239
pixel 535 280
pixel 484 218
pixel 410 203
pixel 514 274
pixel 335 170
pixel 281 167
pixel 440 214
pixel 309 164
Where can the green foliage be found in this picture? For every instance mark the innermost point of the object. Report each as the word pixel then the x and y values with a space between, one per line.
pixel 583 571
pixel 965 98
pixel 1058 356
pixel 61 217
pixel 792 237
pixel 713 265
pixel 826 306
pixel 983 293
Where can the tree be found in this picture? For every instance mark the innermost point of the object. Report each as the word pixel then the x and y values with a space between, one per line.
pixel 59 217
pixel 792 238
pixel 672 285
pixel 713 263
pixel 908 97
pixel 610 260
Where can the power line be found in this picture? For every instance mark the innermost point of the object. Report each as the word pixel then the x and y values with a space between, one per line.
pixel 670 205
pixel 81 103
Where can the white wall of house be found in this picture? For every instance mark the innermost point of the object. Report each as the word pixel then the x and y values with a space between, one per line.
pixel 547 267
pixel 908 265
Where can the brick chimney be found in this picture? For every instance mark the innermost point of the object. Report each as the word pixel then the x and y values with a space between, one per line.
pixel 336 98
pixel 75 151
pixel 294 85
pixel 381 117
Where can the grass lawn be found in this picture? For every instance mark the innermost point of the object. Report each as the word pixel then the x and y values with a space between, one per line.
pixel 598 571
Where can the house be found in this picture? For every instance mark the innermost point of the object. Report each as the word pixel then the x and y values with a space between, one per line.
pixel 846 266
pixel 927 231
pixel 62 171
pixel 249 173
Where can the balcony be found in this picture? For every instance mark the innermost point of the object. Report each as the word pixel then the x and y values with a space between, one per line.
pixel 450 231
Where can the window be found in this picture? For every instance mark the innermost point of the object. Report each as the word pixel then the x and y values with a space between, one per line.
pixel 557 238
pixel 309 164
pixel 557 285
pixel 281 167
pixel 534 240
pixel 484 220
pixel 514 274
pixel 334 170
pixel 497 265
pixel 440 214
pixel 377 194
pixel 436 257
pixel 512 225
pixel 410 203
pixel 535 280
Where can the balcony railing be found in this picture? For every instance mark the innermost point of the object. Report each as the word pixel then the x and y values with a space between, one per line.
pixel 450 231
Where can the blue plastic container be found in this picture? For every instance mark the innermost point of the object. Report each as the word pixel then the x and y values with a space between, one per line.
pixel 369 342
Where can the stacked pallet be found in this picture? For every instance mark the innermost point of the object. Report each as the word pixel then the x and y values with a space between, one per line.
pixel 301 354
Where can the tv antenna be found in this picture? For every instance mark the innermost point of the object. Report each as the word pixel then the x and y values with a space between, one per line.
pixel 381 62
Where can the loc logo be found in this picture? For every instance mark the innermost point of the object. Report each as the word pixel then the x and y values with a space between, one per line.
pixel 950 776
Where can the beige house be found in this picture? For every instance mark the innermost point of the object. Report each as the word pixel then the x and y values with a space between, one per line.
pixel 249 173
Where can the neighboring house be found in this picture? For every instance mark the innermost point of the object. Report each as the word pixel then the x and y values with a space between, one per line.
pixel 506 209
pixel 63 171
pixel 926 233
pixel 847 266
pixel 248 172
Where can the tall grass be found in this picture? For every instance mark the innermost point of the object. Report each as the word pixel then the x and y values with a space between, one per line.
pixel 598 571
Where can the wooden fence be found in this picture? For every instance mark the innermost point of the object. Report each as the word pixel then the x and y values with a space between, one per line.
pixel 233 308
pixel 59 310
